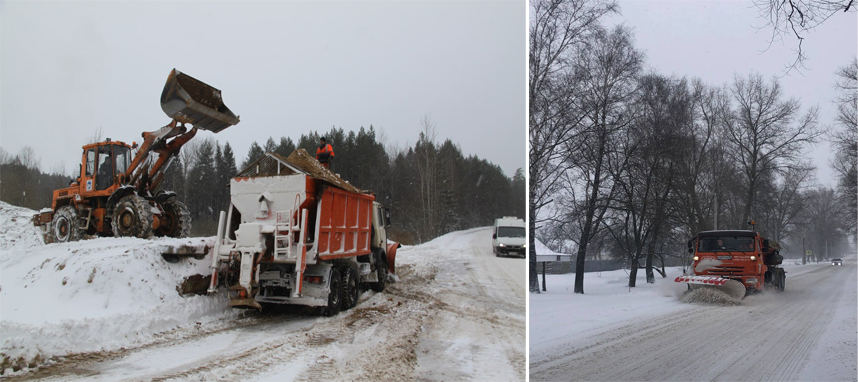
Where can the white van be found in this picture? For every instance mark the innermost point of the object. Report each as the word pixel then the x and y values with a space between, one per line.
pixel 509 237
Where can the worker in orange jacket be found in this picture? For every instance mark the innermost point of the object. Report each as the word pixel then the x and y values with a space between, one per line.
pixel 325 153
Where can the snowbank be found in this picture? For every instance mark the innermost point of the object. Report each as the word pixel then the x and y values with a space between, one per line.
pixel 92 295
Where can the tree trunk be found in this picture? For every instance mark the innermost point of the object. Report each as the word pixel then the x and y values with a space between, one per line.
pixel 633 273
pixel 588 217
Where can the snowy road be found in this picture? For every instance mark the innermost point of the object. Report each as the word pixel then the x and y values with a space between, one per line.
pixel 806 333
pixel 458 313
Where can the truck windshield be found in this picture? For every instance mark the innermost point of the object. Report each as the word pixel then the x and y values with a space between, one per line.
pixel 510 231
pixel 726 243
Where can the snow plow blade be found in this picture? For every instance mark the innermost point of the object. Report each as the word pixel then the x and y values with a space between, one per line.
pixel 732 288
pixel 189 100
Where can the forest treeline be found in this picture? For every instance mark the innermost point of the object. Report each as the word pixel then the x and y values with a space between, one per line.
pixel 430 188
pixel 628 163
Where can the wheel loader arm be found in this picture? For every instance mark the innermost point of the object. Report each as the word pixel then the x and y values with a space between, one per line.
pixel 156 141
pixel 185 100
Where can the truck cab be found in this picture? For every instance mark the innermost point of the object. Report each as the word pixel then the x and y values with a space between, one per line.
pixel 743 256
pixel 509 236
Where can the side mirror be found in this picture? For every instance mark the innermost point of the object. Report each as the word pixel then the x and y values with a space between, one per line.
pixel 691 246
pixel 387 217
pixel 765 245
pixel 494 236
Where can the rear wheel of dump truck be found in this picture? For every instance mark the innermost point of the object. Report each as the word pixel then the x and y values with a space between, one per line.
pixel 334 296
pixel 65 226
pixel 350 287
pixel 178 220
pixel 132 217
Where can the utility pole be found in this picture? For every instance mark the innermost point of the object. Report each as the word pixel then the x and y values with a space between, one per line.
pixel 803 253
pixel 716 213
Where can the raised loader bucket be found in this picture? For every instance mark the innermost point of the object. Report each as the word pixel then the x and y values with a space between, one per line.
pixel 732 288
pixel 189 100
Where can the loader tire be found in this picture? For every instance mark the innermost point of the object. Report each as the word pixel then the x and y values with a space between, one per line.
pixel 132 217
pixel 335 294
pixel 351 289
pixel 178 220
pixel 65 226
pixel 381 272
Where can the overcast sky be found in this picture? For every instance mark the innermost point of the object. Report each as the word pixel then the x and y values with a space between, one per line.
pixel 68 68
pixel 714 40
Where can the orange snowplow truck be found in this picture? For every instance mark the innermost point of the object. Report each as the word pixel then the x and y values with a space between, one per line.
pixel 736 262
pixel 118 191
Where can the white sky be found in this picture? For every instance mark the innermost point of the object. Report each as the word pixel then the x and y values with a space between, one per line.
pixel 68 68
pixel 715 39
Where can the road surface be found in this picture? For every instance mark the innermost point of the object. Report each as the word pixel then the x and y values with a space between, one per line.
pixel 806 333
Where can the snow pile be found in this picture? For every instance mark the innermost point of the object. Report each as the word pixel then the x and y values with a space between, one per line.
pixel 92 295
pixel 709 296
pixel 16 228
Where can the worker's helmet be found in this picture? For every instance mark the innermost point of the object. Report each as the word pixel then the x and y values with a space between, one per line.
pixel 322 139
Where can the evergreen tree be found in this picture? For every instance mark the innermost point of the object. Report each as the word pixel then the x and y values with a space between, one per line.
pixel 253 154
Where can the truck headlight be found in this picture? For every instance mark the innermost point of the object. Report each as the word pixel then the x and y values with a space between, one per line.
pixel 501 245
pixel 524 245
pixel 753 258
pixel 696 258
pixel 751 280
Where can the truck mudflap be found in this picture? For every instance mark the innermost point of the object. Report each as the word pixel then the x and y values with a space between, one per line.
pixel 189 100
pixel 733 288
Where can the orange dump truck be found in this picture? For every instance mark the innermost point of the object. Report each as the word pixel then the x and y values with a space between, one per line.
pixel 298 234
pixel 736 262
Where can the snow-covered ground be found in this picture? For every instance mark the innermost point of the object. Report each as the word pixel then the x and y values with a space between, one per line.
pixel 108 309
pixel 613 332
pixel 92 295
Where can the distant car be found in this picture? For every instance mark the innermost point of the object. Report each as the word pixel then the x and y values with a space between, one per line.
pixel 836 261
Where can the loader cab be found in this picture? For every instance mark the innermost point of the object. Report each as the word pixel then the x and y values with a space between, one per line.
pixel 101 163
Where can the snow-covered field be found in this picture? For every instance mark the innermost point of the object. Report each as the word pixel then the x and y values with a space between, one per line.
pixel 108 309
pixel 613 332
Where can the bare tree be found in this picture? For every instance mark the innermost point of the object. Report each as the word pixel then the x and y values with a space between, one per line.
pixel 846 140
pixel 97 136
pixel 796 18
pixel 607 67
pixel 557 27
pixel 766 133
pixel 697 174
pixel 427 171
pixel 27 157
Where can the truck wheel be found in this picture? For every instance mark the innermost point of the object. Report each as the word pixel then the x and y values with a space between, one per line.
pixel 381 273
pixel 350 288
pixel 132 217
pixel 65 225
pixel 178 221
pixel 334 297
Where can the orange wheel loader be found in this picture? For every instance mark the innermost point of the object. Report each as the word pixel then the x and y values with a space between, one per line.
pixel 118 191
